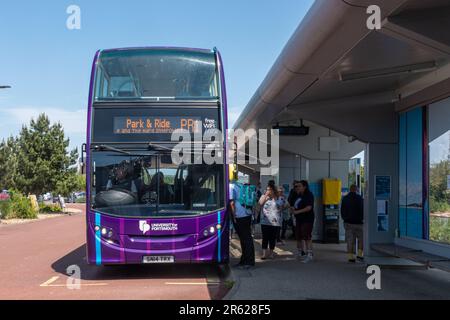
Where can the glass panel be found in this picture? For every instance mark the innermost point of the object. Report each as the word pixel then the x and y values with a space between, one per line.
pixel 152 186
pixel 402 176
pixel 439 174
pixel 414 178
pixel 156 74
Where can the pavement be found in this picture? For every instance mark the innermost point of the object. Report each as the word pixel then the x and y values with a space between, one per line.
pixel 34 258
pixel 328 277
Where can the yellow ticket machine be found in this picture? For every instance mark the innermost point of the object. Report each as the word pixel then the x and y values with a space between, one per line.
pixel 331 198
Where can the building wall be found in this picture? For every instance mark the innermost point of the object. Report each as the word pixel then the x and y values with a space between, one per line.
pixel 381 160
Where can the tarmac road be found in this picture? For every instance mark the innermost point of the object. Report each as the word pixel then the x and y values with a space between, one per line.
pixel 34 257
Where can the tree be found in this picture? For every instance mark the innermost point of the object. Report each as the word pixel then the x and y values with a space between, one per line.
pixel 8 163
pixel 439 195
pixel 42 156
pixel 71 182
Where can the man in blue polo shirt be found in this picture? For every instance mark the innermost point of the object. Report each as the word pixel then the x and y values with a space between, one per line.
pixel 242 221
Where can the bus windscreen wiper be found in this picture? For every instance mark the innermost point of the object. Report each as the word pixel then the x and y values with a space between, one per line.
pixel 103 147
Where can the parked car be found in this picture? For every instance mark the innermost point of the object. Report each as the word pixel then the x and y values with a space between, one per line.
pixel 81 194
pixel 47 196
pixel 4 195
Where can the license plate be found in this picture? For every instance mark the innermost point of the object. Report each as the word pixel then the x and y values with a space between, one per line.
pixel 158 259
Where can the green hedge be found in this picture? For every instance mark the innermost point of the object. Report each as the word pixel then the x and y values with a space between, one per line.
pixel 18 206
pixel 5 209
pixel 49 208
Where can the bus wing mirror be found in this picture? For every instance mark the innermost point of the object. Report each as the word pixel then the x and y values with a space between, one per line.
pixel 83 153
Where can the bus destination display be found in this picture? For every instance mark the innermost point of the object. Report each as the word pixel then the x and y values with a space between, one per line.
pixel 154 125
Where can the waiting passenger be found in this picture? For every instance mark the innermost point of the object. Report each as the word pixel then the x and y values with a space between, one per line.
pixel 293 196
pixel 270 220
pixel 242 220
pixel 304 219
pixel 352 212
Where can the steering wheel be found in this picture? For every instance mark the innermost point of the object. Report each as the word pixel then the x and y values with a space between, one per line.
pixel 115 197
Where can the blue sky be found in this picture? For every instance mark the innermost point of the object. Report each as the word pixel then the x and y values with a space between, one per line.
pixel 48 66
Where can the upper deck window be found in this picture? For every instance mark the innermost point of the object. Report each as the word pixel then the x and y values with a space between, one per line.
pixel 156 74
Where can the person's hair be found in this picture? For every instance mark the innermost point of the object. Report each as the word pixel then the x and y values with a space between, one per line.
pixel 272 186
pixel 305 184
pixel 353 188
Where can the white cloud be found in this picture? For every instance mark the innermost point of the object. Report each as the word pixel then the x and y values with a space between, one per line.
pixel 73 122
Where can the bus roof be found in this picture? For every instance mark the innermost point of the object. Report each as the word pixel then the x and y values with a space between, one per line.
pixel 160 48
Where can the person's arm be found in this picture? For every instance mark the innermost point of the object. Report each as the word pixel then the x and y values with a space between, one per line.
pixel 344 210
pixel 233 210
pixel 309 201
pixel 362 208
pixel 286 205
pixel 305 209
pixel 263 199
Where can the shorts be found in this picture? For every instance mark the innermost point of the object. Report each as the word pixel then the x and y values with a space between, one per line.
pixel 303 230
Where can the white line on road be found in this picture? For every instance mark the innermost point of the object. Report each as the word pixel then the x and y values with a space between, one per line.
pixel 49 282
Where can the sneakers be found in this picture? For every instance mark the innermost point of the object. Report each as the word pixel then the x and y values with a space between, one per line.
pixel 301 255
pixel 308 258
pixel 360 259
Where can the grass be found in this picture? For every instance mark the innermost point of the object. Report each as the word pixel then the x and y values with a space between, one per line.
pixel 228 284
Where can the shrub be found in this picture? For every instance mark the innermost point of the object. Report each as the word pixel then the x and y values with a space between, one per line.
pixel 49 208
pixel 21 207
pixel 5 209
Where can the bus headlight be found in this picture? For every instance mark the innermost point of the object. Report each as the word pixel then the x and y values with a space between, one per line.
pixel 105 232
pixel 209 231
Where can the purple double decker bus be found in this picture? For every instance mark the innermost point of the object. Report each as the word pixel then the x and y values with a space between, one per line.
pixel 141 206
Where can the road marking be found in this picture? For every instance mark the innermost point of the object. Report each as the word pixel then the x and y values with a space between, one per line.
pixel 81 284
pixel 49 281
